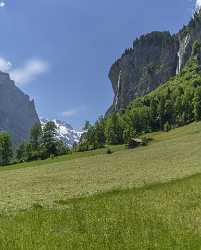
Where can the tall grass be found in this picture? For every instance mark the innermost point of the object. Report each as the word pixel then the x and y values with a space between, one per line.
pixel 162 216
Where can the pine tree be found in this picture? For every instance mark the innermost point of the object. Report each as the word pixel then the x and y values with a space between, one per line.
pixel 21 154
pixel 49 138
pixel 87 125
pixel 35 136
pixel 6 152
pixel 114 129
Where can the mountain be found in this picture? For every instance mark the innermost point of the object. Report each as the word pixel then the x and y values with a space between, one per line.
pixel 17 111
pixel 153 59
pixel 65 132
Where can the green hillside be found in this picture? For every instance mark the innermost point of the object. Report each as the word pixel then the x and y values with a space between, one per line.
pixel 174 104
pixel 170 156
pixel 148 198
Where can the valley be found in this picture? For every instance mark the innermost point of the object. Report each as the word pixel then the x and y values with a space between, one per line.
pixel 130 199
pixel 130 177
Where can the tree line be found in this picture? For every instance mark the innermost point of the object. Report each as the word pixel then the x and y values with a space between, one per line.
pixel 41 145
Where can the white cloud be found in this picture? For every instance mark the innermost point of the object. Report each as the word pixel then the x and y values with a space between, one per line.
pixel 198 4
pixel 30 70
pixel 5 65
pixel 25 74
pixel 70 113
pixel 2 4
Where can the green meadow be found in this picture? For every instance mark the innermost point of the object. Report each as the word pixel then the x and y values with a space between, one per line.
pixel 145 198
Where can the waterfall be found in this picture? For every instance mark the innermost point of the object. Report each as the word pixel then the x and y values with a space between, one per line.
pixel 182 49
pixel 118 90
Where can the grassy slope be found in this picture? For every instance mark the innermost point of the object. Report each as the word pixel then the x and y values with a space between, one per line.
pixel 154 215
pixel 162 216
pixel 68 157
pixel 174 155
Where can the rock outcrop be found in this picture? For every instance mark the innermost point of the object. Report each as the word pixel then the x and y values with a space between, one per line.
pixel 17 111
pixel 153 59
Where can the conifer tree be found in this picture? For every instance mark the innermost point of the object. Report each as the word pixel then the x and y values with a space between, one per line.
pixel 6 152
pixel 49 138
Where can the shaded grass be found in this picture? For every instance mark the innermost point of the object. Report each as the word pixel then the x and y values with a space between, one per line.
pixel 161 216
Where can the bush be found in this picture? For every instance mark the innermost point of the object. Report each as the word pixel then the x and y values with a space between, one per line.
pixel 109 151
pixel 167 127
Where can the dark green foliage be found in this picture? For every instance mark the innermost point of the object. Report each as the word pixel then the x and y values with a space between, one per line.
pixel 128 134
pixel 173 104
pixel 109 151
pixel 42 144
pixel 114 129
pixel 138 117
pixel 49 138
pixel 6 152
pixel 33 149
pixel 94 137
pixel 167 127
pixel 99 133
pixel 197 104
pixel 61 148
pixel 36 136
pixel 21 154
pixel 154 124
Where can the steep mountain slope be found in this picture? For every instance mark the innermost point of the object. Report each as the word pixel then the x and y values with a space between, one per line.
pixel 153 59
pixel 17 111
pixel 65 132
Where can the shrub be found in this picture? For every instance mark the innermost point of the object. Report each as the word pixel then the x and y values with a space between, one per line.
pixel 109 151
pixel 167 127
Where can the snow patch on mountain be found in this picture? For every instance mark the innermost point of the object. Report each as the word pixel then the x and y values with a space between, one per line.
pixel 65 131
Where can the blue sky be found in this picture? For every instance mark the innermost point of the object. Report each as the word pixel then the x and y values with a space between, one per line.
pixel 60 51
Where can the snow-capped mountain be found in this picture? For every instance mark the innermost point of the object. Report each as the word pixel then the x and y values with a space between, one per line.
pixel 65 131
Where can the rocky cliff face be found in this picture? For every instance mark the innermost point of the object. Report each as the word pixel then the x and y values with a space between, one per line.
pixel 17 111
pixel 152 60
pixel 186 38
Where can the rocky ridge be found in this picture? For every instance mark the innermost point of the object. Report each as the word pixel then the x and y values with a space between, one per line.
pixel 17 110
pixel 153 59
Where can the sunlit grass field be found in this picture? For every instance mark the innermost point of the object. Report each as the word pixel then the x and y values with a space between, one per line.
pixel 146 198
pixel 162 216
